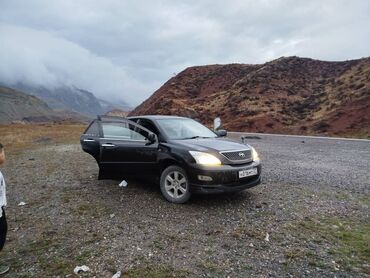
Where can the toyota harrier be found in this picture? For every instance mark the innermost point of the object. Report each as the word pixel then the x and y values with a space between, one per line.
pixel 183 155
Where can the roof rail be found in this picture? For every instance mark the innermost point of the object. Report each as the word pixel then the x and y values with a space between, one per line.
pixel 105 117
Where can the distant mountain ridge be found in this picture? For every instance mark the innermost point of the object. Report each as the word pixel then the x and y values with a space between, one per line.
pixel 17 106
pixel 70 98
pixel 287 95
pixel 111 106
pixel 64 97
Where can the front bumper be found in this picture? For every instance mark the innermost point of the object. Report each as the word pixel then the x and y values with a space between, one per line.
pixel 225 178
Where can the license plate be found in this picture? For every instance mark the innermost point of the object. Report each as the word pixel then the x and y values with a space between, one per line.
pixel 248 173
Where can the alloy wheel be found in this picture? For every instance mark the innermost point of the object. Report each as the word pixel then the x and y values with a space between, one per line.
pixel 176 184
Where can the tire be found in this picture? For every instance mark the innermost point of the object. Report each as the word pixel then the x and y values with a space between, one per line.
pixel 175 185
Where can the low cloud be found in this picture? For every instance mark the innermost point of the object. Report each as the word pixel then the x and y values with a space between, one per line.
pixel 40 58
pixel 127 49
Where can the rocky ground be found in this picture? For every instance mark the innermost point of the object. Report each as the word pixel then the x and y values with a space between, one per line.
pixel 309 217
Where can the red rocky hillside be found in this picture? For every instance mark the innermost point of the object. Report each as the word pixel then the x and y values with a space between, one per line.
pixel 288 95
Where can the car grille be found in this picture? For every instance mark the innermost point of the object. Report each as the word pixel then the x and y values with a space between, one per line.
pixel 238 156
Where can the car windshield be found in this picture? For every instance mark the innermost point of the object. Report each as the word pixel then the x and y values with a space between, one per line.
pixel 182 128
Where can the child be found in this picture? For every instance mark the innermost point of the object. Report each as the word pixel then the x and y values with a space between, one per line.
pixel 3 224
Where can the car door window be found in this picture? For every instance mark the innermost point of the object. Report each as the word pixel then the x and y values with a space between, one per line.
pixel 124 131
pixel 93 129
pixel 148 125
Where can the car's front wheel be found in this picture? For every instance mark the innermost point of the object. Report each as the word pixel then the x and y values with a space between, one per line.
pixel 174 185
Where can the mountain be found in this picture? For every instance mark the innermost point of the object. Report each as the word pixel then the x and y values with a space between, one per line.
pixel 18 106
pixel 64 97
pixel 117 113
pixel 109 106
pixel 287 95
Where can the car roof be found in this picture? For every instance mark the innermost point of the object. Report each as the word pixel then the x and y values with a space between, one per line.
pixel 149 117
pixel 156 117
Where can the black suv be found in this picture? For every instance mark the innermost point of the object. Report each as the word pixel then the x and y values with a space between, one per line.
pixel 184 155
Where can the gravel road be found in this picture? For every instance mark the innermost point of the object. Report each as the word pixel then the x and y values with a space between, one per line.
pixel 309 217
pixel 313 162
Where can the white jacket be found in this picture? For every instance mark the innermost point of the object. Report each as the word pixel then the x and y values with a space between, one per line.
pixel 2 193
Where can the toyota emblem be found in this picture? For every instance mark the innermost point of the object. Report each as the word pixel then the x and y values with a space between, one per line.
pixel 241 154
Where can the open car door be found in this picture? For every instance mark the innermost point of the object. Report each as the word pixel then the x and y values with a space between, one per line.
pixel 126 149
pixel 90 140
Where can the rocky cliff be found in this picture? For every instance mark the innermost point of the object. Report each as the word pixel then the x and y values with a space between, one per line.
pixel 287 95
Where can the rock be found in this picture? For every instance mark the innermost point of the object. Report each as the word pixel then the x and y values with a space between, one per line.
pixel 335 265
pixel 123 184
pixel 22 204
pixel 117 275
pixel 267 237
pixel 82 268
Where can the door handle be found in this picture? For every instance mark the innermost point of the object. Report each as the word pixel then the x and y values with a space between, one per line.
pixel 89 140
pixel 108 145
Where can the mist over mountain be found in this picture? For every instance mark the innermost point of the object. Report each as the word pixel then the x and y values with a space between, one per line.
pixel 42 59
pixel 70 98
pixel 108 106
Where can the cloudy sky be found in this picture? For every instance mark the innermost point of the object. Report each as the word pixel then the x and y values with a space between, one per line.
pixel 128 49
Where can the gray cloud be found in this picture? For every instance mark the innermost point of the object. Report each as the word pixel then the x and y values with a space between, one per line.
pixel 128 49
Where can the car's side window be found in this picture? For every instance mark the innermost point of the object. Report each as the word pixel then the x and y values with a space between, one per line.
pixel 148 125
pixel 93 129
pixel 124 131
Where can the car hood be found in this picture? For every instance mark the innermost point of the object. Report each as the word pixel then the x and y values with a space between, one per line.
pixel 215 144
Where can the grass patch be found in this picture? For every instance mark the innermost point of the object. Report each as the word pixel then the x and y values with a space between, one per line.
pixel 18 137
pixel 48 255
pixel 38 246
pixel 54 265
pixel 211 267
pixel 348 240
pixel 358 199
pixel 364 200
pixel 154 271
pixel 295 253
pixel 158 244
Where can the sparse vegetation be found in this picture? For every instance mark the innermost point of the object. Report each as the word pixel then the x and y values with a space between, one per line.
pixel 300 89
pixel 321 126
pixel 32 135
pixel 71 219
pixel 348 240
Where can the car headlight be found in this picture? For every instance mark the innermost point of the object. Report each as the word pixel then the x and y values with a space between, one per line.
pixel 255 155
pixel 205 158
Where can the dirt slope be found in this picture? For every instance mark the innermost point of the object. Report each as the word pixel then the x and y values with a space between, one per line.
pixel 287 95
pixel 15 105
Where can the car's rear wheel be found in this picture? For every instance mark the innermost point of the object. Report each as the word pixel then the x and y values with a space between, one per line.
pixel 174 185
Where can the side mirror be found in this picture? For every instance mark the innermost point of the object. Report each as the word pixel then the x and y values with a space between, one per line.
pixel 216 123
pixel 151 137
pixel 221 133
